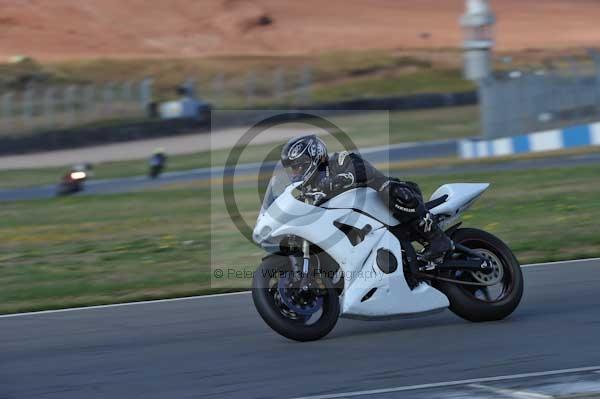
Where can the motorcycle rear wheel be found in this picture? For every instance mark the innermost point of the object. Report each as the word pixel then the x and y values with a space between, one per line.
pixel 464 299
pixel 284 321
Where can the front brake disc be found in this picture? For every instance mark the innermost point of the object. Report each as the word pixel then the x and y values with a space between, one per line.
pixel 304 309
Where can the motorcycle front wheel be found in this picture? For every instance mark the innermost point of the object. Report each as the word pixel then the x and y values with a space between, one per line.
pixel 297 315
pixel 501 289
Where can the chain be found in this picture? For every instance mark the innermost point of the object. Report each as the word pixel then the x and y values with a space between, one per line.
pixel 450 280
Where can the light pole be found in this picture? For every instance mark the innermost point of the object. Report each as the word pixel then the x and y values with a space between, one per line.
pixel 478 26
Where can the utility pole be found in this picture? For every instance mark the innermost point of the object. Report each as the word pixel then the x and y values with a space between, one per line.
pixel 478 26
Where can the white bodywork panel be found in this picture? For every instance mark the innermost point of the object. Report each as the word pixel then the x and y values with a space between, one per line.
pixel 392 296
pixel 460 197
pixel 367 200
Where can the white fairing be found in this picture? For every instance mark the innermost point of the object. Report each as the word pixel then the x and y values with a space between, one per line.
pixel 390 293
pixel 460 197
pixel 393 296
pixel 365 199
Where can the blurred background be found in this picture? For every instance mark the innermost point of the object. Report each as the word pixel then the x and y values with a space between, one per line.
pixel 119 119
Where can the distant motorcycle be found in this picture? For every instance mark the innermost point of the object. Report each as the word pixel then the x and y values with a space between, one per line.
pixel 347 256
pixel 157 163
pixel 72 182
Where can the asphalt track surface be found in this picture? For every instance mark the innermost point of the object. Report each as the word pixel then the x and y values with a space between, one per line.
pixel 384 155
pixel 219 347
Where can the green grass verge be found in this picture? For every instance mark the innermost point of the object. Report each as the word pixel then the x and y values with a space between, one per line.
pixel 365 129
pixel 113 248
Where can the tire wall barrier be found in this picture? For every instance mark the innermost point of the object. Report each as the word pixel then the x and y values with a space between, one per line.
pixel 153 128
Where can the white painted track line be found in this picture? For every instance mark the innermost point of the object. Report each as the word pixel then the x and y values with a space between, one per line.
pixel 563 262
pixel 452 383
pixel 510 393
pixel 116 305
pixel 559 263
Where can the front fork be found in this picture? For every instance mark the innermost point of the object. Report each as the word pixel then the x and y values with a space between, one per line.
pixel 305 280
pixel 306 283
pixel 305 257
pixel 305 254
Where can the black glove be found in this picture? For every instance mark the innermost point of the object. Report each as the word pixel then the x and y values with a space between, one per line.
pixel 333 184
pixel 338 182
pixel 404 197
pixel 325 184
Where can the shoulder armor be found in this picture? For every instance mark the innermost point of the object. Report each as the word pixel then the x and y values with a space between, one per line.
pixel 341 157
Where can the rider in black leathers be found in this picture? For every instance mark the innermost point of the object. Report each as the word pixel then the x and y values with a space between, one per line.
pixel 305 159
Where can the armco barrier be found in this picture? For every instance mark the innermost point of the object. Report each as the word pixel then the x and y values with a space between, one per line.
pixel 551 140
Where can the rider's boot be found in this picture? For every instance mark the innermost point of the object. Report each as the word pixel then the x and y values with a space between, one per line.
pixel 439 244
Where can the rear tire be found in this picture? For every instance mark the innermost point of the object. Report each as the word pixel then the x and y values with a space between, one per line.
pixel 266 305
pixel 463 302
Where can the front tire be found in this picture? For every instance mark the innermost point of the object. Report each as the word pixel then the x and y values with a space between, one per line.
pixel 463 299
pixel 282 319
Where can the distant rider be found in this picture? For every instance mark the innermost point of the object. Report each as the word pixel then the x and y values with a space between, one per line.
pixel 306 159
pixel 159 157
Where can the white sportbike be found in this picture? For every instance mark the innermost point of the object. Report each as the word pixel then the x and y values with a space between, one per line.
pixel 347 256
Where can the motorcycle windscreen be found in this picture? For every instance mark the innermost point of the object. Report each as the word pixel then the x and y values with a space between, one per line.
pixel 277 184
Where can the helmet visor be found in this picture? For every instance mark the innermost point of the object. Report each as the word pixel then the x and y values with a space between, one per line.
pixel 298 169
pixel 296 173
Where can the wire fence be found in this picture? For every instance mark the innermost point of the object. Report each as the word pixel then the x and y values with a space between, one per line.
pixel 69 106
pixel 517 102
pixel 279 86
pixel 50 108
pixel 512 102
